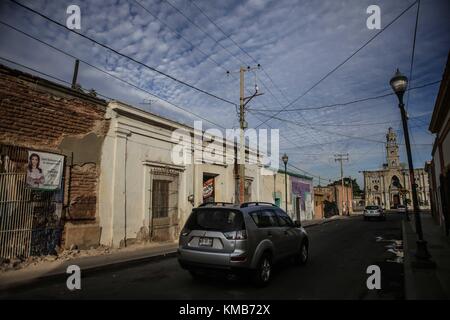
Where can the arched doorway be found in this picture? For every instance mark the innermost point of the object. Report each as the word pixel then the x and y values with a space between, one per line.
pixel 395 187
pixel 377 201
pixel 396 200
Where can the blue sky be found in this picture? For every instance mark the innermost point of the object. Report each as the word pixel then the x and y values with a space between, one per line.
pixel 296 42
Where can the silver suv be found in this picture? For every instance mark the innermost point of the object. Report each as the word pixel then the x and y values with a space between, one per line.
pixel 247 237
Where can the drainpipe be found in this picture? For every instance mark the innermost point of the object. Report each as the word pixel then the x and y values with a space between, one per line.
pixel 274 187
pixel 125 190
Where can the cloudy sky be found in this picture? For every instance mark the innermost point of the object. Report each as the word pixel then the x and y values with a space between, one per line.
pixel 297 43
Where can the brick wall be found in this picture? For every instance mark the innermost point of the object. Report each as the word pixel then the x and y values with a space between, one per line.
pixel 83 192
pixel 34 113
pixel 44 116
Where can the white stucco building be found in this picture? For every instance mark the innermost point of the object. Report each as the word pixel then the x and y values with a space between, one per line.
pixel 145 195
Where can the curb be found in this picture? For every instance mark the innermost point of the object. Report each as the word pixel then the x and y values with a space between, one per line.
pixel 87 270
pixel 324 222
pixel 406 264
pixel 419 283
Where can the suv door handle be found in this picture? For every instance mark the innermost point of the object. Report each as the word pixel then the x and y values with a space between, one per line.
pixel 269 233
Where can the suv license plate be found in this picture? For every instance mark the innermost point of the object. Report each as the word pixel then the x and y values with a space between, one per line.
pixel 205 242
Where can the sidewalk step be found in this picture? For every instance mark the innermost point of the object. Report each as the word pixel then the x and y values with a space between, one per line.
pixel 57 269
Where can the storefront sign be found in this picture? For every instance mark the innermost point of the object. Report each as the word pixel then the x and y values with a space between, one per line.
pixel 208 188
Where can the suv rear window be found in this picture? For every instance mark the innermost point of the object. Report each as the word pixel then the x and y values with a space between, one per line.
pixel 216 220
pixel 372 207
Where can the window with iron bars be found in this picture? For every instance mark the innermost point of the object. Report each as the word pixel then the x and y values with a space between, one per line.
pixel 160 198
pixel 164 193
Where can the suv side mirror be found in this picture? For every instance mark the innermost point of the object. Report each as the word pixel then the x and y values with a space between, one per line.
pixel 297 223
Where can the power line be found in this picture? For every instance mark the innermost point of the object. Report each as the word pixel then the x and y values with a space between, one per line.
pixel 242 49
pixel 124 55
pixel 340 64
pixel 356 124
pixel 290 141
pixel 220 44
pixel 411 69
pixel 413 51
pixel 348 102
pixel 204 32
pixel 222 31
pixel 231 54
pixel 45 74
pixel 107 73
pixel 330 132
pixel 217 42
pixel 309 173
pixel 178 34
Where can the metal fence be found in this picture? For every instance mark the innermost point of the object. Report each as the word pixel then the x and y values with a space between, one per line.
pixel 29 219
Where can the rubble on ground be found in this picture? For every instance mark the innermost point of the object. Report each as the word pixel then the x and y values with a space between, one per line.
pixel 60 255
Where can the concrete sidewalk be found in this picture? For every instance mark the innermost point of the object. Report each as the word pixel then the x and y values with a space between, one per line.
pixel 310 223
pixel 426 283
pixel 56 269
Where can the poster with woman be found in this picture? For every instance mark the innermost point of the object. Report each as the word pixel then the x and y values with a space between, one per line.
pixel 44 170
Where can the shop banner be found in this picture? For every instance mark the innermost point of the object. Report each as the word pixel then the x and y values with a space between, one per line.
pixel 44 170
pixel 208 188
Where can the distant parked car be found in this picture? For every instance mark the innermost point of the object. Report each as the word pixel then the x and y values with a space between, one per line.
pixel 374 212
pixel 401 208
pixel 237 238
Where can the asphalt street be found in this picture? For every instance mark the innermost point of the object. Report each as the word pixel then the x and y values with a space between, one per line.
pixel 340 252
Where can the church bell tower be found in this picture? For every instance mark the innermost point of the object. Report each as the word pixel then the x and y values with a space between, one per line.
pixel 392 157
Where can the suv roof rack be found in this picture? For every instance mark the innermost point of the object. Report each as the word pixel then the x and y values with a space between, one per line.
pixel 259 203
pixel 223 204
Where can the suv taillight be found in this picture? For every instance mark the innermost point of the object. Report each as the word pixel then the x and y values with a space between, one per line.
pixel 236 235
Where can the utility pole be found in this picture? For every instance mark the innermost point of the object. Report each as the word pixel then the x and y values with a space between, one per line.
pixel 243 101
pixel 75 74
pixel 242 126
pixel 341 158
pixel 351 192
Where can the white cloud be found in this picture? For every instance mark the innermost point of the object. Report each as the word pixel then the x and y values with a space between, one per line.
pixel 296 42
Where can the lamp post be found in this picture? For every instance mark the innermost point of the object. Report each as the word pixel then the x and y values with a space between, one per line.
pixel 285 159
pixel 399 83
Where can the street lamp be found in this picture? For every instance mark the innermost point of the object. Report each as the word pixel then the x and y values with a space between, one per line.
pixel 285 159
pixel 399 83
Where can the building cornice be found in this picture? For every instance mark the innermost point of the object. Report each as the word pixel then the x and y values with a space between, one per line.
pixel 163 165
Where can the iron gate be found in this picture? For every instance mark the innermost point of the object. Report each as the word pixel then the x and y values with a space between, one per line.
pixel 29 219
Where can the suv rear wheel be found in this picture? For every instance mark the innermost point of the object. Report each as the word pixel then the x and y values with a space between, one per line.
pixel 302 257
pixel 263 272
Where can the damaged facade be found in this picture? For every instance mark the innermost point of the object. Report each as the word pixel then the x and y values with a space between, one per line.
pixel 40 116
pixel 119 182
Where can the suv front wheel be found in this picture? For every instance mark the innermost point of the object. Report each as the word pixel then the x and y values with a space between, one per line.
pixel 263 272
